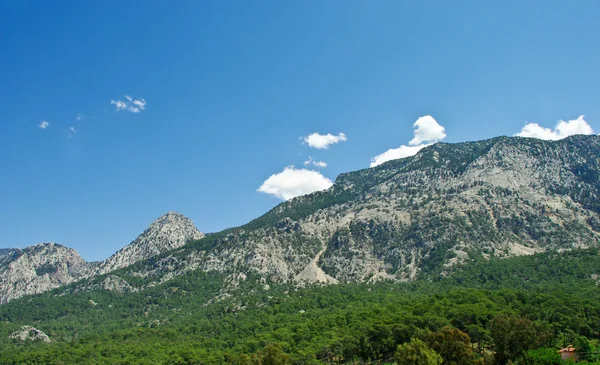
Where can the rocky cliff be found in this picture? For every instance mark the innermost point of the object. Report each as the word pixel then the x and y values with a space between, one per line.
pixel 37 269
pixel 166 233
pixel 43 267
pixel 6 251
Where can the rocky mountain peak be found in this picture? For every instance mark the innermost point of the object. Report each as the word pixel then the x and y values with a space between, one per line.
pixel 166 233
pixel 6 251
pixel 38 268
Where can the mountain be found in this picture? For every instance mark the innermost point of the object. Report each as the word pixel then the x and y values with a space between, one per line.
pixel 419 216
pixel 43 267
pixel 6 251
pixel 37 269
pixel 460 237
pixel 412 217
pixel 166 233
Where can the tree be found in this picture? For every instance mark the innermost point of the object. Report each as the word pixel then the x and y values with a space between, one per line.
pixel 416 352
pixel 542 356
pixel 583 347
pixel 274 355
pixel 453 345
pixel 512 336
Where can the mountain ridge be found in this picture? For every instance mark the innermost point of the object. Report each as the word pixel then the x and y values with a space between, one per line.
pixel 42 267
pixel 505 196
pixel 417 216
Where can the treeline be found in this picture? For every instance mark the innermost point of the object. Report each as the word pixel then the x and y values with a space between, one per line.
pixel 519 310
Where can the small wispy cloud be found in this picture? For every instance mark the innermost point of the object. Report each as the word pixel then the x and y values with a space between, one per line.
pixel 323 141
pixel 310 161
pixel 79 117
pixel 71 131
pixel 44 124
pixel 131 105
pixel 119 104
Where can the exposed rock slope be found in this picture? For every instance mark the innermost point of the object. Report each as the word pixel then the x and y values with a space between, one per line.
pixel 168 232
pixel 43 267
pixel 414 216
pixel 6 251
pixel 37 269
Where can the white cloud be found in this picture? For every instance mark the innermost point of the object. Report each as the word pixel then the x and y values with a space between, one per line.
pixel 141 103
pixel 427 132
pixel 321 141
pixel 310 161
pixel 44 124
pixel 79 117
pixel 119 104
pixel 131 105
pixel 561 130
pixel 396 153
pixel 293 182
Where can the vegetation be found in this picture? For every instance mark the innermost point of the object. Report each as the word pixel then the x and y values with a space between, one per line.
pixel 496 311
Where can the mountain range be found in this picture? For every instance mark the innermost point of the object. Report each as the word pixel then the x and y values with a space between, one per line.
pixel 416 217
pixel 46 266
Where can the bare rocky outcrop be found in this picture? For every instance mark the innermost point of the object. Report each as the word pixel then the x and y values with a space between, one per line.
pixel 29 333
pixel 167 233
pixel 37 269
pixel 43 267
pixel 6 251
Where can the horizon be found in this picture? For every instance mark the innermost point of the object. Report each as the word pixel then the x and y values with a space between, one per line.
pixel 116 113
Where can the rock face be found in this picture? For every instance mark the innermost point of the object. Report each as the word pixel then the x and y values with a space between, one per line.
pixel 46 266
pixel 168 232
pixel 6 251
pixel 37 269
pixel 420 215
pixel 29 333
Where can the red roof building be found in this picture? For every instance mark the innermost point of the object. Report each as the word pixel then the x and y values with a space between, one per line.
pixel 569 352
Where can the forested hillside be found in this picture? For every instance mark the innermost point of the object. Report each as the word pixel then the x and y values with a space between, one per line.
pixel 519 309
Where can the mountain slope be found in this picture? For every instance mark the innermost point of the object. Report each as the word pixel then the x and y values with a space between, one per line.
pixel 6 251
pixel 166 233
pixel 415 216
pixel 37 269
pixel 171 323
pixel 43 267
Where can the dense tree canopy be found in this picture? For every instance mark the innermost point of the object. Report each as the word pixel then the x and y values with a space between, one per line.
pixel 507 308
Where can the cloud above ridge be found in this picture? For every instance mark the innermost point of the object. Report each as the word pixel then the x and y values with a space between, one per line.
pixel 293 182
pixel 561 130
pixel 427 131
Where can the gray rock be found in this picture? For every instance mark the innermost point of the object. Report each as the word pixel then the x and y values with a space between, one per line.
pixel 47 266
pixel 37 269
pixel 26 333
pixel 167 233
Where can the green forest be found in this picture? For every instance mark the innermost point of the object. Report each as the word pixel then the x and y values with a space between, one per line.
pixel 499 311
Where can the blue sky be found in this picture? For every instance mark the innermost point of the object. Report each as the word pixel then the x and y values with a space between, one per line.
pixel 229 93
